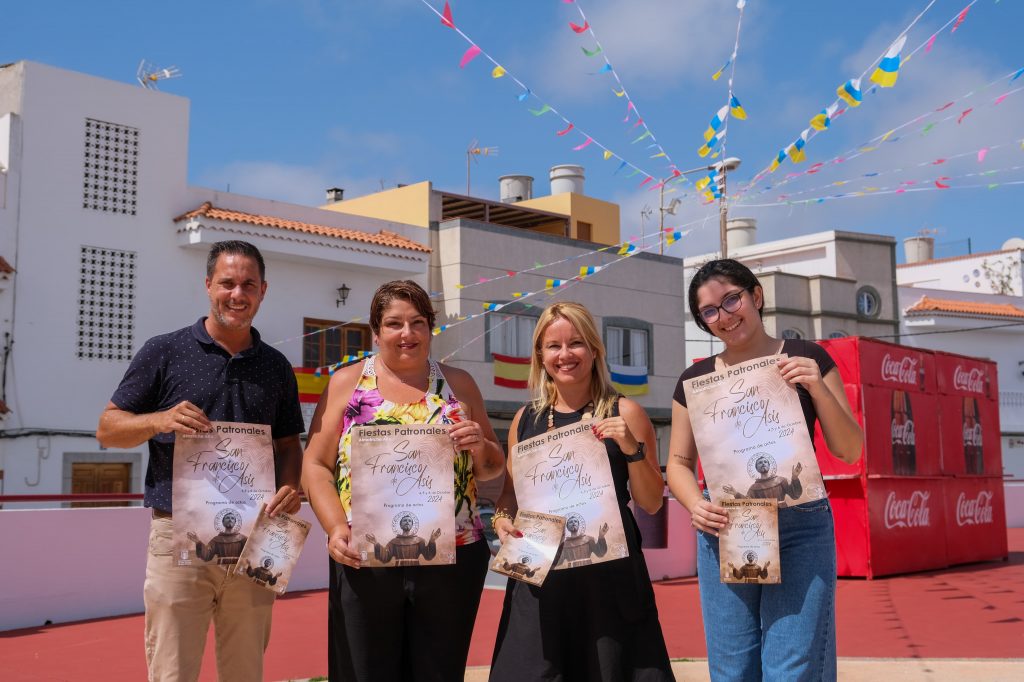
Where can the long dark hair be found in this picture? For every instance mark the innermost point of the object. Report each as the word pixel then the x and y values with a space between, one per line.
pixel 731 271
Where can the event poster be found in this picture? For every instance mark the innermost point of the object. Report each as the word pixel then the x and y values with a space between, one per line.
pixel 565 472
pixel 221 477
pixel 751 435
pixel 403 495
pixel 530 557
pixel 748 547
pixel 273 549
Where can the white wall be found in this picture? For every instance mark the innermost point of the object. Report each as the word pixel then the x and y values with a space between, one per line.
pixel 964 273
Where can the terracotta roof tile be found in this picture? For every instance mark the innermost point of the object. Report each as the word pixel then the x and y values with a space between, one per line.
pixel 381 238
pixel 5 267
pixel 943 305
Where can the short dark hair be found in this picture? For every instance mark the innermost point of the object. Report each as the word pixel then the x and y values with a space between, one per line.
pixel 405 290
pixel 728 269
pixel 238 248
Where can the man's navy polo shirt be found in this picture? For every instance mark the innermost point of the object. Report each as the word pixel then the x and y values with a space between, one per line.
pixel 256 386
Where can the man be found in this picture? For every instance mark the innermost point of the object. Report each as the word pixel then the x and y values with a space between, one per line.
pixel 405 548
pixel 768 487
pixel 520 569
pixel 226 546
pixel 749 572
pixel 578 548
pixel 262 573
pixel 217 369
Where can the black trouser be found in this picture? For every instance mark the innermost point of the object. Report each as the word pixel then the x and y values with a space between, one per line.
pixel 412 623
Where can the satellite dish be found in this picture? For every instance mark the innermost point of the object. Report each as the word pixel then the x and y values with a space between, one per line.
pixel 1013 243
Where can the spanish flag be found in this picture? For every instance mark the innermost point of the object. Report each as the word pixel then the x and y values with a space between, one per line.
pixel 889 68
pixel 311 384
pixel 510 372
pixel 629 380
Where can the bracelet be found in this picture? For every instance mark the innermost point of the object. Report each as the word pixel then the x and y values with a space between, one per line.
pixel 499 514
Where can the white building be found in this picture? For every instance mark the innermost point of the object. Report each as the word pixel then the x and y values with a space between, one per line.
pixel 104 245
pixel 974 305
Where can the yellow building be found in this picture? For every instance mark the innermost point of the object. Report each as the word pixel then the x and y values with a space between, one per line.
pixel 566 212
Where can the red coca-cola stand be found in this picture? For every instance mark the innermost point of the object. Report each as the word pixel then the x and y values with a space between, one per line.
pixel 891 508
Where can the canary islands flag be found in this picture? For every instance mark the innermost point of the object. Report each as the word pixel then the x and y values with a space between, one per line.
pixel 824 120
pixel 889 68
pixel 850 93
pixel 716 123
pixel 706 148
pixel 629 380
pixel 737 109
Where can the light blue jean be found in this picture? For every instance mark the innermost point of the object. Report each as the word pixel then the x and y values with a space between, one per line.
pixel 775 632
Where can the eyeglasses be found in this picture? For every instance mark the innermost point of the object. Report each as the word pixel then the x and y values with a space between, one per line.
pixel 730 304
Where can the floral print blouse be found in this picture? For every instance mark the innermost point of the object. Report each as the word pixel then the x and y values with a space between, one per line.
pixel 438 405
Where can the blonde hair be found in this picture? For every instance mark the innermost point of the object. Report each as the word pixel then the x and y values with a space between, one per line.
pixel 542 387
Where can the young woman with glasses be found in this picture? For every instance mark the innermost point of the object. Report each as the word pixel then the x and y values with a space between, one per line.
pixel 772 632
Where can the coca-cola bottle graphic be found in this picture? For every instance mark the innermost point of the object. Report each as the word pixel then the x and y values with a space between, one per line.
pixel 974 453
pixel 904 451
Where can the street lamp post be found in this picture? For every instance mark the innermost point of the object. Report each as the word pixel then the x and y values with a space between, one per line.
pixel 724 166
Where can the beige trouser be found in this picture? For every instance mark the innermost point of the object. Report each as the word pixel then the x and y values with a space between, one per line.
pixel 181 600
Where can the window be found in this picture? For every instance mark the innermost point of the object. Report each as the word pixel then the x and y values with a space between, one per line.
pixel 106 304
pixel 839 334
pixel 328 341
pixel 792 333
pixel 868 302
pixel 626 346
pixel 111 168
pixel 511 334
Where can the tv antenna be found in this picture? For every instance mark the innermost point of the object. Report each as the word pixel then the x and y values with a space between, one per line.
pixel 473 151
pixel 148 75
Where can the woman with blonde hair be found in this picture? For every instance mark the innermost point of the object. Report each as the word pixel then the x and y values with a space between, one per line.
pixel 596 621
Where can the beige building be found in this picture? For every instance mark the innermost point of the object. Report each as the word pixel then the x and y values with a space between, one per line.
pixel 817 286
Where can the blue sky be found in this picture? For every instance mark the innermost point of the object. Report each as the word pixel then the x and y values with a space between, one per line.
pixel 289 97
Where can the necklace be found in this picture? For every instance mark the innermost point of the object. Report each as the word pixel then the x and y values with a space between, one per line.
pixel 588 412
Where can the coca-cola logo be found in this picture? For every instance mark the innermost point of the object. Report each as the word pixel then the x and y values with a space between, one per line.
pixel 907 513
pixel 972 436
pixel 902 434
pixel 902 371
pixel 974 512
pixel 972 380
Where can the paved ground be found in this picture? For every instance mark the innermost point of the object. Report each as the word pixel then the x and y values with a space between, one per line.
pixel 965 623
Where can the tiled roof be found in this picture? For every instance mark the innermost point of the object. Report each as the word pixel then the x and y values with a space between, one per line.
pixel 381 238
pixel 5 267
pixel 928 304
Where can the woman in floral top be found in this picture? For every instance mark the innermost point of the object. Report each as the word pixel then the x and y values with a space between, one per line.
pixel 412 622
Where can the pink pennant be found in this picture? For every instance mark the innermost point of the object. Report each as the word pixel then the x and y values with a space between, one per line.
pixel 964 115
pixel 815 168
pixel 940 184
pixel 909 182
pixel 585 143
pixel 579 29
pixel 639 122
pixel 945 106
pixel 676 172
pixel 1000 98
pixel 938 162
pixel 566 131
pixel 482 280
pixel 960 19
pixel 629 108
pixel 982 153
pixel 649 178
pixel 511 273
pixel 654 187
pixel 931 42
pixel 900 191
pixel 839 112
pixel 446 17
pixel 469 56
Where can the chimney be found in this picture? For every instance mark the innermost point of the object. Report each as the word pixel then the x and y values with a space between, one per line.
pixel 740 232
pixel 335 194
pixel 919 249
pixel 515 188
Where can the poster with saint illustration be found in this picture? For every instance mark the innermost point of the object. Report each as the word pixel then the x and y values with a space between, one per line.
pixel 565 472
pixel 751 435
pixel 272 550
pixel 221 477
pixel 403 495
pixel 748 547
pixel 530 557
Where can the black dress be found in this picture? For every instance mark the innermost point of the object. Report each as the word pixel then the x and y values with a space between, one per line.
pixel 597 622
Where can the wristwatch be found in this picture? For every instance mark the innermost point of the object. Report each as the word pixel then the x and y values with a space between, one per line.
pixel 638 456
